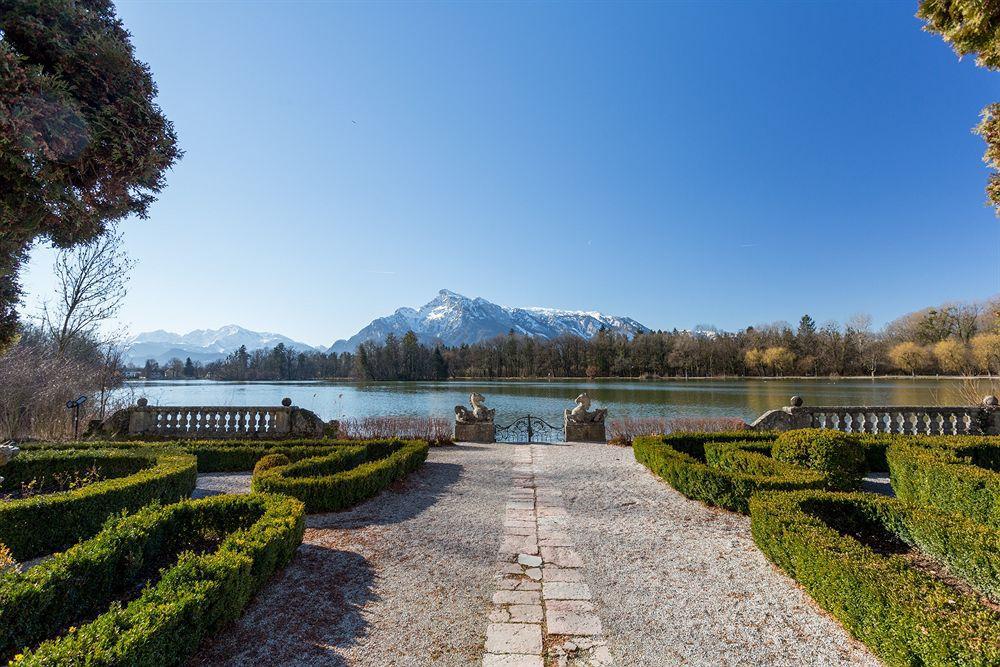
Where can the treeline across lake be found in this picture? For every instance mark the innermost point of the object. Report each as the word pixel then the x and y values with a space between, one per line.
pixel 952 339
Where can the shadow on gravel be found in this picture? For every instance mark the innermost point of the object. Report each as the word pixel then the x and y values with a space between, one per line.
pixel 400 502
pixel 306 612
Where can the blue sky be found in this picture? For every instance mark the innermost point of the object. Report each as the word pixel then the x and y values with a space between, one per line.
pixel 727 163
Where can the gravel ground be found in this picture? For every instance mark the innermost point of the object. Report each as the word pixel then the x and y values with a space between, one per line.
pixel 216 483
pixel 679 583
pixel 403 579
pixel 877 482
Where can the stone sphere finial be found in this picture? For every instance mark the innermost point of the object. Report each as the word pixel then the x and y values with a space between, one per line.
pixel 287 402
pixel 991 401
pixel 142 402
pixel 795 401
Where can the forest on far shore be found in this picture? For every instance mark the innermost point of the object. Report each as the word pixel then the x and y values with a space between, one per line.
pixel 953 339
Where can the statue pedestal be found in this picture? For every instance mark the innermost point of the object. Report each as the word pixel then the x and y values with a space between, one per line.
pixel 590 432
pixel 478 432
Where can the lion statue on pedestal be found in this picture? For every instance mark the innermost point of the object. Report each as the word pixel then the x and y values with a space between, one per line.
pixel 581 414
pixel 478 414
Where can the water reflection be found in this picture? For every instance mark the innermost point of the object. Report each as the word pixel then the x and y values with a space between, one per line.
pixel 547 399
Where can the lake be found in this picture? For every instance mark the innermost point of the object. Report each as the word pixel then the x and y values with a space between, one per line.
pixel 742 398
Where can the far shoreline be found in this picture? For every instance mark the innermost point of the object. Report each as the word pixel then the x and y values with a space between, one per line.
pixel 546 378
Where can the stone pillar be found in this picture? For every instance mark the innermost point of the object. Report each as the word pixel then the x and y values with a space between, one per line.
pixel 7 452
pixel 482 432
pixel 283 417
pixel 585 431
pixel 784 419
pixel 140 418
pixel 991 416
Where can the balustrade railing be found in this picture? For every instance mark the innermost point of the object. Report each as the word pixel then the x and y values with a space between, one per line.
pixel 983 419
pixel 285 420
pixel 216 421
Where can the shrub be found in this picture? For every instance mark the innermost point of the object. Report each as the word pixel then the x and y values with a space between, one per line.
pixel 216 553
pixel 624 430
pixel 837 455
pixel 952 474
pixel 7 560
pixel 42 524
pixel 434 430
pixel 705 425
pixel 345 477
pixel 216 455
pixel 271 461
pixel 723 469
pixel 839 547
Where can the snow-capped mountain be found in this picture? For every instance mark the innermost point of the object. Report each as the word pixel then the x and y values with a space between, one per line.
pixel 454 319
pixel 203 344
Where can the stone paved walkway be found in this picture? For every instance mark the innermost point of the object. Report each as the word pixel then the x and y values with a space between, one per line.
pixel 531 556
pixel 542 606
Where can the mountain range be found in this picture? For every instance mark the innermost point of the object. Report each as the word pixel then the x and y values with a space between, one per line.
pixel 450 319
pixel 453 319
pixel 203 344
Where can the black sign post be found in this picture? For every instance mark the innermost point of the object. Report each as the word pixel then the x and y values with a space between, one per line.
pixel 74 405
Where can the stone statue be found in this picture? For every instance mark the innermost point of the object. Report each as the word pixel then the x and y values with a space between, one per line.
pixel 478 415
pixel 7 452
pixel 581 414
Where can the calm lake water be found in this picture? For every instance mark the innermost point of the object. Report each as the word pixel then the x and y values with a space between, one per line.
pixel 745 399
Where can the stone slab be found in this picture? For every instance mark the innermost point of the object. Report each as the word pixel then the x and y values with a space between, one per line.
pixel 493 660
pixel 593 432
pixel 482 432
pixel 519 638
pixel 565 590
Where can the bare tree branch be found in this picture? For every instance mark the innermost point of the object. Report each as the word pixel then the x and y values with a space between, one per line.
pixel 92 284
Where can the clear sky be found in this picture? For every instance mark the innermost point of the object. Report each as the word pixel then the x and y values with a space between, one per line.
pixel 727 163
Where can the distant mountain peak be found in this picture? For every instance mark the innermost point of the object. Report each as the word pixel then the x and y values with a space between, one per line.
pixel 453 319
pixel 203 344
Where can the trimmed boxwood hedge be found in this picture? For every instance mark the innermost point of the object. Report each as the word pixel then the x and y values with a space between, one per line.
pixel 217 455
pixel 906 616
pixel 952 474
pixel 245 539
pixel 723 469
pixel 338 480
pixel 835 454
pixel 45 523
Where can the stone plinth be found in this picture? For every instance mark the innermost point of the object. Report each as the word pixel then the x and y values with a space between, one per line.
pixel 477 432
pixel 587 432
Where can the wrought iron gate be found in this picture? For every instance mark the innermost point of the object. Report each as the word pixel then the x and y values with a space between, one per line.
pixel 529 429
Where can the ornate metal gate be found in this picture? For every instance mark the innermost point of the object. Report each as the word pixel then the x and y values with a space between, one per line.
pixel 529 429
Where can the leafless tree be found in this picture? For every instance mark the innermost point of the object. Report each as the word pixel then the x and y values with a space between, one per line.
pixel 92 282
pixel 860 326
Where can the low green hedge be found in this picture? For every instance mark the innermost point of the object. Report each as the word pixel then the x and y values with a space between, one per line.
pixel 837 455
pixel 905 615
pixel 723 469
pixel 212 555
pixel 952 474
pixel 338 480
pixel 217 455
pixel 45 523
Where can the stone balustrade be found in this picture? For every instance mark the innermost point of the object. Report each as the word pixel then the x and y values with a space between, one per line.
pixel 281 421
pixel 982 419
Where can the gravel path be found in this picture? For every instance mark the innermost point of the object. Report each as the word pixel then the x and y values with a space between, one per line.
pixel 216 483
pixel 410 577
pixel 678 583
pixel 877 482
pixel 403 579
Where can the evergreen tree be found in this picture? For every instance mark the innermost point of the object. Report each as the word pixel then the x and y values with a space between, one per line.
pixel 411 357
pixel 440 366
pixel 972 27
pixel 82 140
pixel 188 368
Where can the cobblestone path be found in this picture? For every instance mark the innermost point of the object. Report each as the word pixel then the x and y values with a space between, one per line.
pixel 542 606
